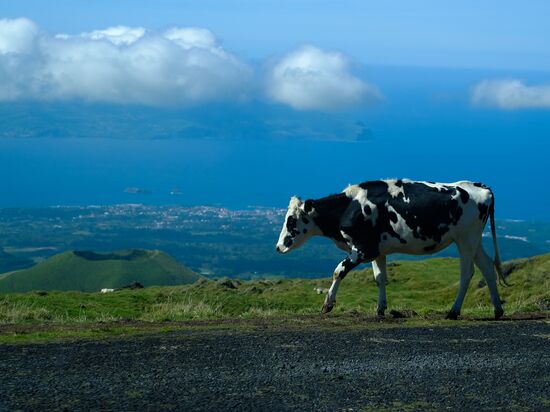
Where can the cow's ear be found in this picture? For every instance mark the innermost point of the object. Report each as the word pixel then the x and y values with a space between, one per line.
pixel 308 206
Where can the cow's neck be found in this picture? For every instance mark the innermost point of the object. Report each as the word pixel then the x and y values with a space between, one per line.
pixel 329 210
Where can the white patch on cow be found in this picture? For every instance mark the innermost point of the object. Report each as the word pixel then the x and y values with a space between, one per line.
pixel 294 204
pixel 477 194
pixel 351 191
pixel 438 186
pixel 359 194
pixel 106 290
pixel 346 237
pixel 331 295
pixel 395 190
pixel 389 242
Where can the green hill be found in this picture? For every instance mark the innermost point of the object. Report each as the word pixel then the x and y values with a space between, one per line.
pixel 89 271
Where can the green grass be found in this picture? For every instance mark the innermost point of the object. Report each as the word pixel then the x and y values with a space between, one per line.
pixel 88 271
pixel 427 287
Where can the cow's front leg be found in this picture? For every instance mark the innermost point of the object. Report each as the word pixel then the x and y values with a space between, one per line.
pixel 352 261
pixel 380 277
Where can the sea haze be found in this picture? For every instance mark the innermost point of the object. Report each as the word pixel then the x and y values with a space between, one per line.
pixel 258 153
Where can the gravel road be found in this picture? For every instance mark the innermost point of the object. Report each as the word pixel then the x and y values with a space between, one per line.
pixel 494 366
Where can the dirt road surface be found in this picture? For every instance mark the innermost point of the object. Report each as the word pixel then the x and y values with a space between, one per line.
pixel 493 366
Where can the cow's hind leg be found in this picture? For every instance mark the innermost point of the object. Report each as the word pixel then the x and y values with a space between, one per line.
pixel 352 261
pixel 380 277
pixel 466 273
pixel 486 265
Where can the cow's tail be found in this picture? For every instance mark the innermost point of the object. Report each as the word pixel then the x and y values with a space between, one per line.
pixel 497 262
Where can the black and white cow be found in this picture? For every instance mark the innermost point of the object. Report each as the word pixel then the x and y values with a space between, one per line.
pixel 377 218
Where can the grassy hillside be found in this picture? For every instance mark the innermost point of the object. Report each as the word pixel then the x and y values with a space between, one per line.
pixel 90 272
pixel 426 287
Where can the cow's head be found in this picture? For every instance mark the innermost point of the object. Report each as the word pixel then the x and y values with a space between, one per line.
pixel 299 225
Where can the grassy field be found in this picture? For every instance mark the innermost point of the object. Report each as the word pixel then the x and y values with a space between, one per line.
pixel 425 287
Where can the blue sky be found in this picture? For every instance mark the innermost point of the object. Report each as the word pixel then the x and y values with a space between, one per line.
pixel 490 34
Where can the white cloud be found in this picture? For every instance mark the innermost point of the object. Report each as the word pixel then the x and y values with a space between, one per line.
pixel 192 37
pixel 119 64
pixel 180 66
pixel 313 79
pixel 117 35
pixel 17 36
pixel 510 94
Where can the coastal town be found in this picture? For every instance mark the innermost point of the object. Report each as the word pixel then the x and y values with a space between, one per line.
pixel 213 241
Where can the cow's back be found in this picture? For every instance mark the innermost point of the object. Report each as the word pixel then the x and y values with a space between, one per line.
pixel 415 217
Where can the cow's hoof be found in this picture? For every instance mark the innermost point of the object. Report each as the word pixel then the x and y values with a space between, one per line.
pixel 452 315
pixel 380 313
pixel 326 308
pixel 499 313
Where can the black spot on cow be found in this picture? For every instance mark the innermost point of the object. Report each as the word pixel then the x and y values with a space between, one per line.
pixel 430 248
pixel 393 217
pixel 455 217
pixel 291 225
pixel 479 184
pixel 399 183
pixel 305 220
pixel 464 196
pixel 305 231
pixel 384 237
pixel 483 211
pixel 329 212
pixel 375 187
pixel 364 234
pixel 308 205
pixel 367 210
pixel 288 241
pixel 348 265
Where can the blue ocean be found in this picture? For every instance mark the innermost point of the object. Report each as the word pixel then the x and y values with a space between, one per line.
pixel 242 173
pixel 424 127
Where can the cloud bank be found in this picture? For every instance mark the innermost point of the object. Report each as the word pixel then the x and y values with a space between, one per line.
pixel 312 79
pixel 510 95
pixel 119 64
pixel 178 66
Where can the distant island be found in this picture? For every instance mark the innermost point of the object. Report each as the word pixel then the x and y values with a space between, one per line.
pixel 137 190
pixel 176 191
